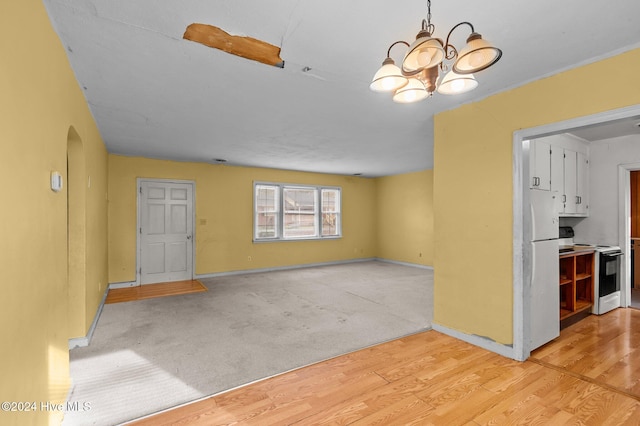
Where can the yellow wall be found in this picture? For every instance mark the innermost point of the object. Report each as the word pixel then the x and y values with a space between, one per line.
pixel 224 219
pixel 473 186
pixel 40 103
pixel 405 217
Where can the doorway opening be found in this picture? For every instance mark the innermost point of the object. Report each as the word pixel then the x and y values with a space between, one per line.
pixel 76 235
pixel 522 256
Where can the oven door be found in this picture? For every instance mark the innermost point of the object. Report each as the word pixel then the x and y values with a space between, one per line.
pixel 609 276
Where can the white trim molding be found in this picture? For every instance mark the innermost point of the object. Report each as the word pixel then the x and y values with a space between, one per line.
pixel 474 339
pixel 81 342
pixel 282 268
pixel 125 284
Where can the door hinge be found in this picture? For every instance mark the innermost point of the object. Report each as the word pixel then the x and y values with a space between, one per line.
pixel 140 230
pixel 141 190
pixel 140 271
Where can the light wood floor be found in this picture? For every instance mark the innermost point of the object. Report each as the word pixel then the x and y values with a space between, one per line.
pixel 150 291
pixel 590 375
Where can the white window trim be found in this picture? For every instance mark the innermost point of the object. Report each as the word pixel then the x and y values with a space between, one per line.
pixel 317 213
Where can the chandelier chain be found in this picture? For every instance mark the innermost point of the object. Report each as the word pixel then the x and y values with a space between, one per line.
pixel 426 23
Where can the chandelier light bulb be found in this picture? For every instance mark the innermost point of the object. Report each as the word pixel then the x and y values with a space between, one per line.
pixel 425 52
pixel 476 59
pixel 414 91
pixel 454 84
pixel 457 85
pixel 424 58
pixel 388 78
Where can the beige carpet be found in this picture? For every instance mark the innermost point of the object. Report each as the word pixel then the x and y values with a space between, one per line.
pixel 153 354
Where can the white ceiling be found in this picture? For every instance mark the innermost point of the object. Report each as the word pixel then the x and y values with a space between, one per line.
pixel 609 130
pixel 154 94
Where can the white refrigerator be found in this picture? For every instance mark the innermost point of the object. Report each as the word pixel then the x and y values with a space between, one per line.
pixel 545 289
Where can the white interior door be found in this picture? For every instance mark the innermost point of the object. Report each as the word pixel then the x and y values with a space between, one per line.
pixel 166 231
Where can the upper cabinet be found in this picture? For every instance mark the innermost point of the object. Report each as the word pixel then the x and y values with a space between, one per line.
pixel 574 194
pixel 582 184
pixel 568 165
pixel 540 165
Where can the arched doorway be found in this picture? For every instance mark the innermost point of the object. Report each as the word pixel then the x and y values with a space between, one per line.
pixel 76 234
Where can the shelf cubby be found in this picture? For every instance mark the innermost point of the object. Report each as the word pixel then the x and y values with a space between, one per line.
pixel 576 283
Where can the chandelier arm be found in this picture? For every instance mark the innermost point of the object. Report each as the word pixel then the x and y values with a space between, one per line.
pixel 397 42
pixel 450 50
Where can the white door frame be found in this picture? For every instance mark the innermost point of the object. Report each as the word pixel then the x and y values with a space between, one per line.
pixel 522 216
pixel 139 221
pixel 624 228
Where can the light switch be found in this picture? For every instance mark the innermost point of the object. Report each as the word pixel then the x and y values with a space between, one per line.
pixel 56 181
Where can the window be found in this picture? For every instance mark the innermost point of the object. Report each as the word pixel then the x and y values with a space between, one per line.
pixel 289 212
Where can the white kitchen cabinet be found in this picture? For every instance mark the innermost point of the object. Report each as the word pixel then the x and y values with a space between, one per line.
pixel 557 177
pixel 582 184
pixel 540 165
pixel 574 198
pixel 570 195
pixel 560 164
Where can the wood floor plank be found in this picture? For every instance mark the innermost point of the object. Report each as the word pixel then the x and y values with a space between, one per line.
pixel 150 291
pixel 431 378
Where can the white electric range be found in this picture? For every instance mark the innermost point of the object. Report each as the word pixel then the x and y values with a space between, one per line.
pixel 607 279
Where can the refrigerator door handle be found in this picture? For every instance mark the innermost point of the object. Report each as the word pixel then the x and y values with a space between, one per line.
pixel 533 262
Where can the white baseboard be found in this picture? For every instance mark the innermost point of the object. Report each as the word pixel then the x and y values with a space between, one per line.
pixel 80 342
pixel 125 284
pixel 474 339
pixel 397 262
pixel 282 268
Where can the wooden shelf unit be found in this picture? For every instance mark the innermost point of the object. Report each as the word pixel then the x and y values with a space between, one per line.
pixel 576 283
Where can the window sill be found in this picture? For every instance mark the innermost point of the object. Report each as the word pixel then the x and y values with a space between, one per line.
pixel 288 240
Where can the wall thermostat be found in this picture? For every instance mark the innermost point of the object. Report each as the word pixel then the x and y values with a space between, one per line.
pixel 56 181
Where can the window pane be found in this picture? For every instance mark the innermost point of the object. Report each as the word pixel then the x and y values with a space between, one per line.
pixel 330 212
pixel 329 224
pixel 266 197
pixel 330 200
pixel 299 212
pixel 267 207
pixel 266 225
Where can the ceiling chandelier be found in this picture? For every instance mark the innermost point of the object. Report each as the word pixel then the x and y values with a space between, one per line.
pixel 425 58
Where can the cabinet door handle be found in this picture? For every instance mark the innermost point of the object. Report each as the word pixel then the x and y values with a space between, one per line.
pixel 564 198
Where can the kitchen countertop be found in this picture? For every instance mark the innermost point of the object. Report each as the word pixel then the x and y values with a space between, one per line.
pixel 576 248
